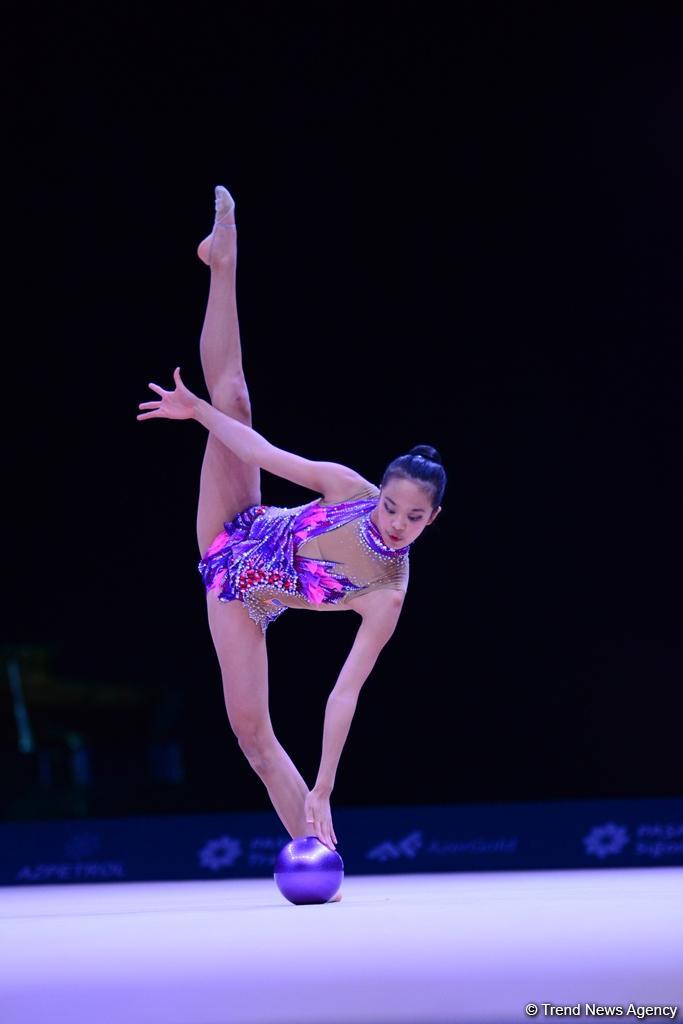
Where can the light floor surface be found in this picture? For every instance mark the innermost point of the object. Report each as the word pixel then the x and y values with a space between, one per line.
pixel 398 949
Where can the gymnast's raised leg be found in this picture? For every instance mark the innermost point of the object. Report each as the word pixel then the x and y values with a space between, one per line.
pixel 227 486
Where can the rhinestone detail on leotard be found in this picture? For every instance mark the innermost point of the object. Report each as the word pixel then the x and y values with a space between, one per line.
pixel 371 539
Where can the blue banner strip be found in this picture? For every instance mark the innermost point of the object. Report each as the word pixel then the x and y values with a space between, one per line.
pixel 372 840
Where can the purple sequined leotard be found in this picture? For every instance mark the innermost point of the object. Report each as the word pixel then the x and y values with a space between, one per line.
pixel 318 556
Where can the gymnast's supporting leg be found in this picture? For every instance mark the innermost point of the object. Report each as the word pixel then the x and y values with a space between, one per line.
pixel 227 486
pixel 241 650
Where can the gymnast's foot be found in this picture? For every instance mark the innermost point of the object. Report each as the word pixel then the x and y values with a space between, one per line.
pixel 335 899
pixel 219 247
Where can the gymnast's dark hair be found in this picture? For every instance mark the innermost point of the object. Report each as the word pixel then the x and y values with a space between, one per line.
pixel 422 464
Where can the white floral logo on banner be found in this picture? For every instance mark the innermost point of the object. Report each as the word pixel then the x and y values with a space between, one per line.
pixel 220 853
pixel 604 840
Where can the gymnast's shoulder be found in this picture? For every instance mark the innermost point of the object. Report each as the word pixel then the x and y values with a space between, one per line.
pixel 383 605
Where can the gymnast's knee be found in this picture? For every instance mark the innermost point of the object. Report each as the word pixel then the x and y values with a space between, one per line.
pixel 258 745
pixel 231 396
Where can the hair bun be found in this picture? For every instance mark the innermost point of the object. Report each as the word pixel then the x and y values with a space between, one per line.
pixel 427 453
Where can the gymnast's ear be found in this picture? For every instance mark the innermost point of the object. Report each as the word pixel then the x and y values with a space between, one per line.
pixel 433 516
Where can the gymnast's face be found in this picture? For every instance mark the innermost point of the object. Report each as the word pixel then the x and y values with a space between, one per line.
pixel 403 510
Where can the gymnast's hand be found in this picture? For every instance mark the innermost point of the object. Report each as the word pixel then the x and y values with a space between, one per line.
pixel 319 817
pixel 179 404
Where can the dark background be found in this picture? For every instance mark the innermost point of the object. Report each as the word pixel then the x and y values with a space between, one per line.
pixel 458 226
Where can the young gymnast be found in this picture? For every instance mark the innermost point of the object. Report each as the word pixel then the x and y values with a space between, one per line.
pixel 345 551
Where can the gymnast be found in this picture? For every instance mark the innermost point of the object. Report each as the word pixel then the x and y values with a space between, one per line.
pixel 345 551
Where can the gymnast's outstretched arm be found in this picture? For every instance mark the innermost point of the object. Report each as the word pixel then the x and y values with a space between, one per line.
pixel 326 478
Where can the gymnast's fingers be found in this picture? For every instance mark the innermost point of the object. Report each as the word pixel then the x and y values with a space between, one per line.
pixel 149 405
pixel 147 416
pixel 159 391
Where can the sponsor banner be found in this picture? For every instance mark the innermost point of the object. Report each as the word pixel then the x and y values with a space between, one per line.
pixel 460 837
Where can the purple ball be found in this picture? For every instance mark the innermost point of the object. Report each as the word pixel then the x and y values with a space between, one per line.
pixel 307 871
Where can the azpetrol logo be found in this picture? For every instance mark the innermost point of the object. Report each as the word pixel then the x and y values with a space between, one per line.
pixel 76 867
pixel 606 840
pixel 82 844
